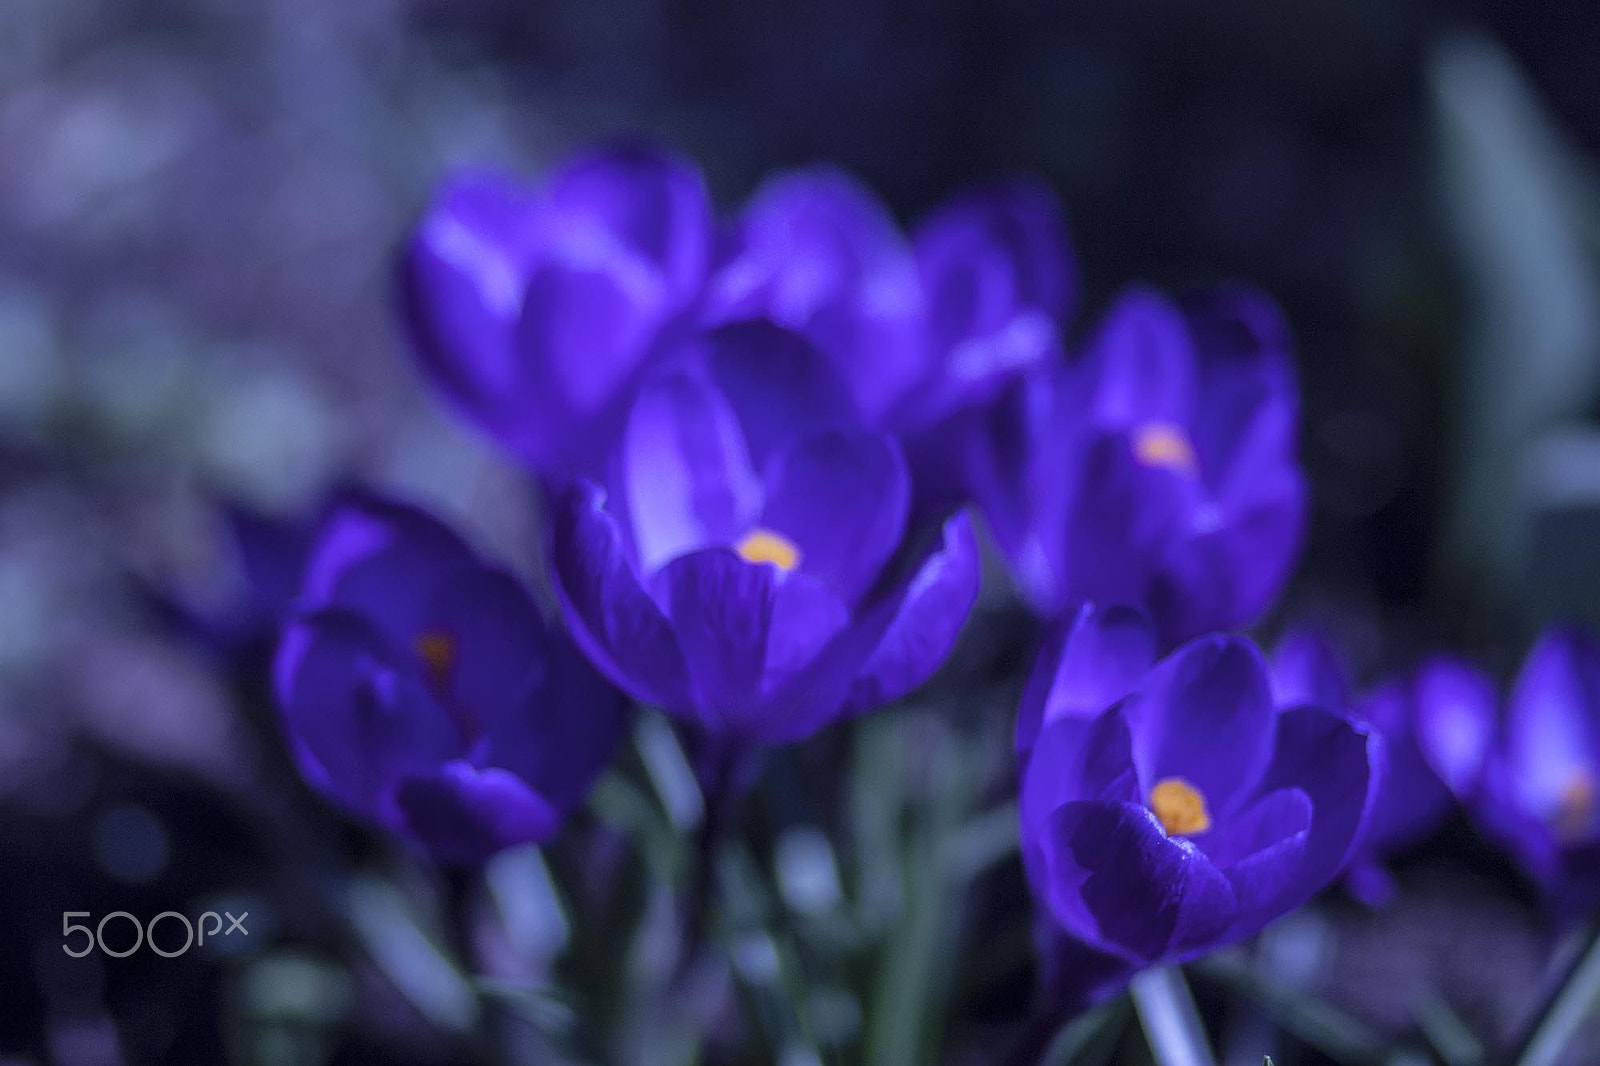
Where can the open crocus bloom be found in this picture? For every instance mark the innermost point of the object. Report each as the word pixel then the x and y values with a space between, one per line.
pixel 420 689
pixel 1168 810
pixel 533 310
pixel 1539 788
pixel 747 566
pixel 1158 470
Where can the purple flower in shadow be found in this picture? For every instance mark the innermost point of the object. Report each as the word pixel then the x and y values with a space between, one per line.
pixel 924 332
pixel 748 565
pixel 1531 777
pixel 815 251
pixel 1406 710
pixel 1159 469
pixel 533 310
pixel 1171 808
pixel 420 689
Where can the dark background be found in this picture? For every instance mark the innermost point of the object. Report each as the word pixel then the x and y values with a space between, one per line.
pixel 199 204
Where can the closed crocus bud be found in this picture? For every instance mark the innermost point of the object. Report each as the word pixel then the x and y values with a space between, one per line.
pixel 1159 470
pixel 1539 788
pixel 420 689
pixel 1167 819
pixel 999 278
pixel 532 309
pixel 815 251
pixel 750 568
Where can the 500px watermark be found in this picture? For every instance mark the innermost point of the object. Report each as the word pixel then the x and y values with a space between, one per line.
pixel 146 933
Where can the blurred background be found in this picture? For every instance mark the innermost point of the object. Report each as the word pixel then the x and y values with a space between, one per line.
pixel 199 205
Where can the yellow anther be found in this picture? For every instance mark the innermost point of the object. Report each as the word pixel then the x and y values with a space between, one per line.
pixel 1580 802
pixel 1164 444
pixel 765 546
pixel 1180 806
pixel 437 650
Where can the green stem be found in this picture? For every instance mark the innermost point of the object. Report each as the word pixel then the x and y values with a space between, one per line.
pixel 1171 1023
pixel 1566 1011
pixel 719 776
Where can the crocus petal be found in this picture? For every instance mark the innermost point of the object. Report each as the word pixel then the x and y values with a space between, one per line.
pixel 807 614
pixel 1260 849
pixel 590 317
pixel 1553 720
pixel 652 201
pixel 687 472
pixel 1013 470
pixel 463 279
pixel 1122 512
pixel 842 499
pixel 998 277
pixel 463 814
pixel 1226 577
pixel 531 704
pixel 567 730
pixel 777 384
pixel 892 643
pixel 522 694
pixel 721 609
pixel 1142 363
pixel 1205 715
pixel 1098 660
pixel 817 252
pixel 1307 669
pixel 497 645
pixel 1073 975
pixel 356 717
pixel 1120 883
pixel 1456 711
pixel 992 253
pixel 384 561
pixel 1249 407
pixel 926 621
pixel 611 617
pixel 1077 759
pixel 1412 801
pixel 808 699
pixel 1337 764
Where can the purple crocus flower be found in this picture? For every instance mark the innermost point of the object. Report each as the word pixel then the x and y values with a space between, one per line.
pixel 1173 808
pixel 1159 469
pixel 533 310
pixel 749 566
pixel 420 689
pixel 1406 711
pixel 816 251
pixel 999 280
pixel 1538 788
pixel 925 332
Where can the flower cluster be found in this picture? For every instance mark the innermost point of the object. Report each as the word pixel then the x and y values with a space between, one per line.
pixel 1169 807
pixel 757 438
